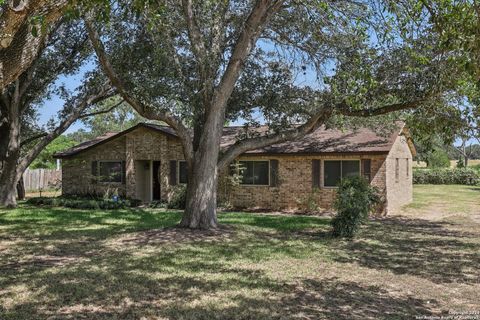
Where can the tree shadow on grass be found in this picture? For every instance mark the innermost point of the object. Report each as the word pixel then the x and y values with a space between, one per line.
pixel 416 247
pixel 57 223
pixel 279 222
pixel 311 299
pixel 177 273
pixel 125 287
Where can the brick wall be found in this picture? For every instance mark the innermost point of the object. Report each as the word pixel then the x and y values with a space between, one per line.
pixel 294 191
pixel 145 144
pixel 77 171
pixel 139 145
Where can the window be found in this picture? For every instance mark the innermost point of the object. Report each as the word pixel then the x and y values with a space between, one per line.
pixel 335 170
pixel 182 172
pixel 255 172
pixel 110 171
pixel 397 169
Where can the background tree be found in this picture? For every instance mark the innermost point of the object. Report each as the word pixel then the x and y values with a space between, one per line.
pixel 197 65
pixel 45 159
pixel 456 25
pixel 121 118
pixel 65 52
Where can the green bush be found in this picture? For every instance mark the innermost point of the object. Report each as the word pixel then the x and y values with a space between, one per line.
pixel 76 202
pixel 158 204
pixel 356 198
pixel 178 198
pixel 438 159
pixel 465 176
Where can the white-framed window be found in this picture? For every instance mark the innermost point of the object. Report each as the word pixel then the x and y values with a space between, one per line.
pixel 110 171
pixel 255 172
pixel 335 170
pixel 182 172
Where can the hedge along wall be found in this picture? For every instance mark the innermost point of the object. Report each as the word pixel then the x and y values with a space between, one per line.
pixel 463 176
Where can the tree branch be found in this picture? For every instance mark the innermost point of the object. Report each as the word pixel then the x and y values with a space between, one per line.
pixel 102 111
pixel 104 93
pixel 245 145
pixel 345 110
pixel 218 30
pixel 18 46
pixel 194 34
pixel 33 138
pixel 254 25
pixel 144 110
pixel 312 124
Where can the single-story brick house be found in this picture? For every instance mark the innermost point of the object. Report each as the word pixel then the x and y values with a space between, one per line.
pixel 146 162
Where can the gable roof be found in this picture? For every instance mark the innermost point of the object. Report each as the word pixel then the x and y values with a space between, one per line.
pixel 321 141
pixel 84 146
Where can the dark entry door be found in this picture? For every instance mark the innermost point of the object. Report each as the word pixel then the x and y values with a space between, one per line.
pixel 156 181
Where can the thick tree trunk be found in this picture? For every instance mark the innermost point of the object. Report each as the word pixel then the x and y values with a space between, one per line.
pixel 8 183
pixel 21 189
pixel 10 148
pixel 201 204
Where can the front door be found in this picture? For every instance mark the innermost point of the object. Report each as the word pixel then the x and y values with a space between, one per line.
pixel 156 181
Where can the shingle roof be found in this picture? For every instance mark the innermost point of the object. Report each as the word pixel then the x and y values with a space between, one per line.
pixel 362 140
pixel 84 145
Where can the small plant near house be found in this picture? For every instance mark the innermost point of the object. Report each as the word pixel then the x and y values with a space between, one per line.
pixel 233 179
pixel 310 202
pixel 110 193
pixel 158 204
pixel 83 202
pixel 356 198
pixel 178 198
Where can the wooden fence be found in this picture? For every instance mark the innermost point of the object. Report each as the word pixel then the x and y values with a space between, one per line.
pixel 41 179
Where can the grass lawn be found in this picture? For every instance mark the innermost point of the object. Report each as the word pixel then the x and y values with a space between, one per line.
pixel 132 264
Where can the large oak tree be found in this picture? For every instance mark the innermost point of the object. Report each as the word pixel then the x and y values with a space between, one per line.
pixel 296 65
pixel 21 140
pixel 24 28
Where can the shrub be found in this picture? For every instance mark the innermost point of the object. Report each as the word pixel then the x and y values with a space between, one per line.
pixel 438 159
pixel 355 200
pixel 158 204
pixel 178 198
pixel 76 202
pixel 465 176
